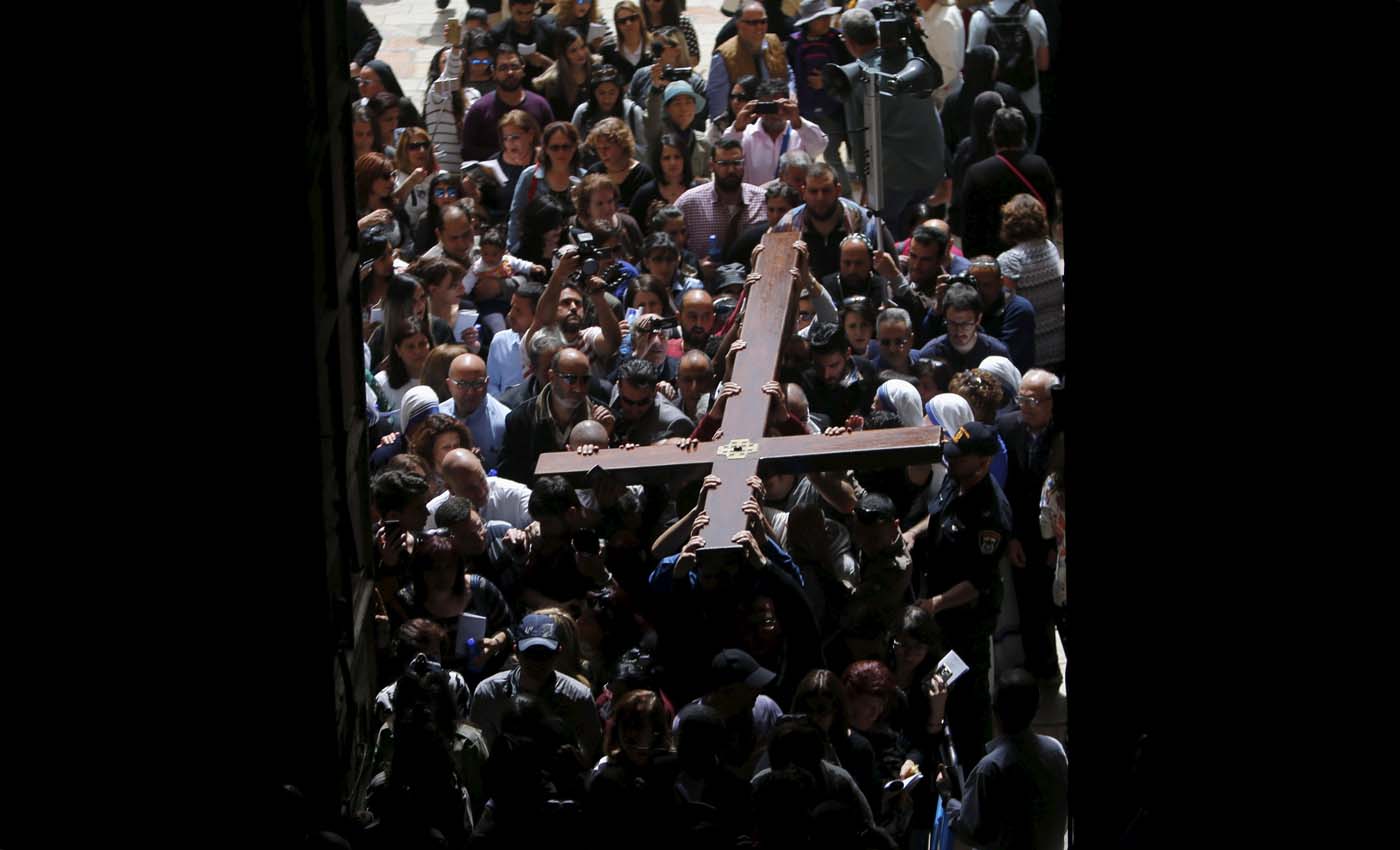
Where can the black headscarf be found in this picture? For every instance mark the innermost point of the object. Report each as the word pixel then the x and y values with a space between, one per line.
pixel 408 113
pixel 978 66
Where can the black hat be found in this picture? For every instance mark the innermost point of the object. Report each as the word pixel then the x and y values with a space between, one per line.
pixel 730 274
pixel 875 507
pixel 733 666
pixel 974 438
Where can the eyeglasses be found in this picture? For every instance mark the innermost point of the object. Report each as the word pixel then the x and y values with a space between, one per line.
pixel 511 68
pixel 754 22
pixel 419 146
pixel 468 385
pixel 361 81
pixel 1029 401
pixel 446 193
pixel 630 19
pixel 898 342
pixel 961 326
pixel 437 532
pixel 561 148
pixel 570 379
pixel 730 163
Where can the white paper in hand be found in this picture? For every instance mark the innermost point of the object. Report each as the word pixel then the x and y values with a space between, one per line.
pixel 903 784
pixel 524 49
pixel 470 626
pixel 465 319
pixel 950 668
pixel 597 31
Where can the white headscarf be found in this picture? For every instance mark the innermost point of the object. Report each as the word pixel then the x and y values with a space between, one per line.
pixel 949 410
pixel 903 398
pixel 1005 370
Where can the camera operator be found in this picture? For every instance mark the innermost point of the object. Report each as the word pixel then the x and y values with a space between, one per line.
pixel 912 167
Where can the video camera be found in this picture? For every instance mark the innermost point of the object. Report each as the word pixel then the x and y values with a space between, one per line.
pixel 902 20
pixel 672 75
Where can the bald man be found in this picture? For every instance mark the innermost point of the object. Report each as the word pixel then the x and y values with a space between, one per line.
pixel 495 498
pixel 697 318
pixel 483 415
pixel 696 380
pixel 588 433
pixel 543 423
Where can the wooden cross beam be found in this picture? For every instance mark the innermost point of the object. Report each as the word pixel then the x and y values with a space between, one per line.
pixel 745 451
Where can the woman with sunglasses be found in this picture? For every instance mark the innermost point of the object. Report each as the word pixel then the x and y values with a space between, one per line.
pixel 741 92
pixel 667 13
pixel 556 173
pixel 377 205
pixel 376 76
pixel 565 84
pixel 416 162
pixel 518 132
pixel 667 48
pixel 444 189
pixel 632 47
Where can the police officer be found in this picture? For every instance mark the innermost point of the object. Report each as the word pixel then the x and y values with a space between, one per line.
pixel 956 557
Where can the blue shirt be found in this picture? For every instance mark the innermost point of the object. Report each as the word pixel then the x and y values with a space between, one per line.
pixel 1017 795
pixel 488 427
pixel 661 579
pixel 504 368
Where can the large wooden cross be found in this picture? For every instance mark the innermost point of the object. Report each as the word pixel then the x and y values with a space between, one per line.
pixel 744 450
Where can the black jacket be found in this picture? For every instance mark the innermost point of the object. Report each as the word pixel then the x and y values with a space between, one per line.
pixel 362 37
pixel 988 185
pixel 837 403
pixel 1025 474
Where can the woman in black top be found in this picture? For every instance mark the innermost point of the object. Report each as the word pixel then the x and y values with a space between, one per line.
pixel 670 168
pixel 565 84
pixel 615 146
pixel 441 591
pixel 376 76
pixel 375 203
pixel 543 230
pixel 979 75
pixel 973 149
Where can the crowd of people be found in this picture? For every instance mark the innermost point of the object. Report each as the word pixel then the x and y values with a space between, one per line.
pixel 558 232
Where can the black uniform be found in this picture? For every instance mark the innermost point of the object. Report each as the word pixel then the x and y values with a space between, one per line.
pixel 967 535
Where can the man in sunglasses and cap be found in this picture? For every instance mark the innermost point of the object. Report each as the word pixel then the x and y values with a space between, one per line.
pixel 956 555
pixel 536 649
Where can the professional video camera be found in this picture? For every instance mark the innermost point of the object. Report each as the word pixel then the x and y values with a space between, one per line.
pixel 901 20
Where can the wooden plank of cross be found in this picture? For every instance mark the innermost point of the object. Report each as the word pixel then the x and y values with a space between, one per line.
pixel 743 449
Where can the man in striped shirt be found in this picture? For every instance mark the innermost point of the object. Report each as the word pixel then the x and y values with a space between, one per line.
pixel 723 208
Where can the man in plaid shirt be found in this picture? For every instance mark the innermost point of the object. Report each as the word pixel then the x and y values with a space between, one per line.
pixel 724 208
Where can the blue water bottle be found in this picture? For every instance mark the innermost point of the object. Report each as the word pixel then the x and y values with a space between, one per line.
pixel 712 248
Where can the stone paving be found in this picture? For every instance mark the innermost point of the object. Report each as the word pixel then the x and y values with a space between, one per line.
pixel 412 31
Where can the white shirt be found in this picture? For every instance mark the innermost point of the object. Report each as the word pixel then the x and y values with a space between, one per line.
pixel 1040 37
pixel 762 151
pixel 395 396
pixel 946 41
pixel 506 501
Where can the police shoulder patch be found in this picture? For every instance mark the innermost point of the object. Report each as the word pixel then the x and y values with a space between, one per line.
pixel 988 541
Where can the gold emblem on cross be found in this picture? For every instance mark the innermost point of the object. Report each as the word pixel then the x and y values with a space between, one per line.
pixel 738 448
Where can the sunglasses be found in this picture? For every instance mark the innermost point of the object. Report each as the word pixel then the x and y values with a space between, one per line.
pixel 446 193
pixel 630 19
pixel 570 379
pixel 468 385
pixel 419 146
pixel 630 403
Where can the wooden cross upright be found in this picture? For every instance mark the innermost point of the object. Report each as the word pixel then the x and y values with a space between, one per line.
pixel 744 450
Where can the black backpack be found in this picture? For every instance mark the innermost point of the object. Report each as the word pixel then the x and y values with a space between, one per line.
pixel 1015 52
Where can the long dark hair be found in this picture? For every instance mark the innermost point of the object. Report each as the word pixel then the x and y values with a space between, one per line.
pixel 541 215
pixel 749 84
pixel 551 129
pixel 673 141
pixel 670 14
pixel 394 366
